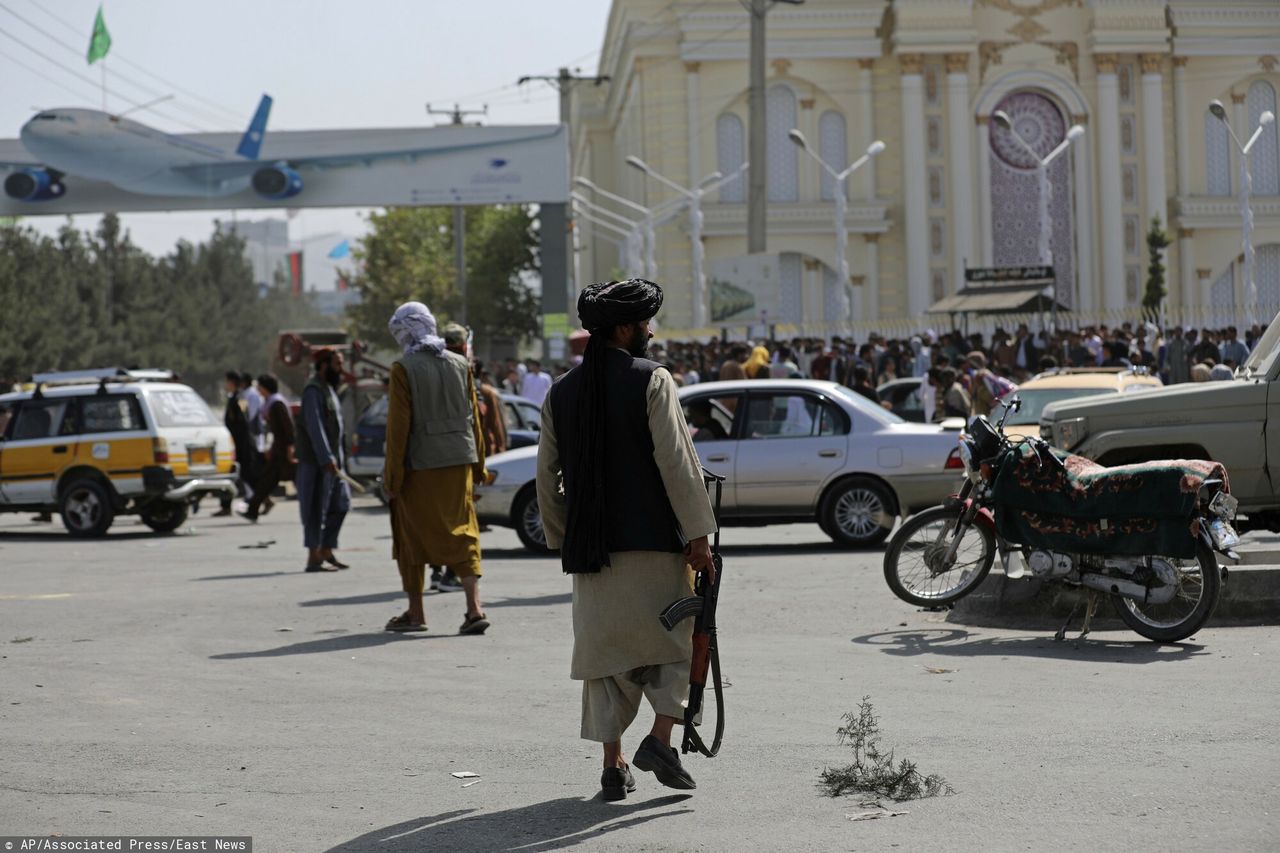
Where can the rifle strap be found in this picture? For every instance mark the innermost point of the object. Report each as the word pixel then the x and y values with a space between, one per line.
pixel 692 740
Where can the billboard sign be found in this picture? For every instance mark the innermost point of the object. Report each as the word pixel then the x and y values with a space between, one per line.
pixel 745 289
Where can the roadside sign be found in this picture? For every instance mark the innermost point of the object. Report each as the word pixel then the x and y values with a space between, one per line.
pixel 1008 274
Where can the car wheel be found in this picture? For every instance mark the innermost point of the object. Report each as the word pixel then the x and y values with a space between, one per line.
pixel 86 508
pixel 164 516
pixel 527 521
pixel 857 513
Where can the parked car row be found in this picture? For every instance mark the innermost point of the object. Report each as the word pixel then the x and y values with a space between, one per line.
pixel 792 450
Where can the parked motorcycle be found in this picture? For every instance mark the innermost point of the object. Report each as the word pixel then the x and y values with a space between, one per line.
pixel 1143 535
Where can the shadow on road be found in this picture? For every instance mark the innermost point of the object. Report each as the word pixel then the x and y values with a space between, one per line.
pixel 533 601
pixel 367 598
pixel 513 553
pixel 246 577
pixel 552 825
pixel 58 533
pixel 790 549
pixel 957 643
pixel 346 643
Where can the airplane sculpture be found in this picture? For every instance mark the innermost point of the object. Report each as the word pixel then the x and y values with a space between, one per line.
pixel 131 156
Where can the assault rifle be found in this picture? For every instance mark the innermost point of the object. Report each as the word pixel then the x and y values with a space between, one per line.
pixel 706 652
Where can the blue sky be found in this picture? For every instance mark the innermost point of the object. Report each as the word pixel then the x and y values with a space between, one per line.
pixel 327 63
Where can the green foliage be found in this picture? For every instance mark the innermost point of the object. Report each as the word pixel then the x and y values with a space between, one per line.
pixel 95 300
pixel 873 770
pixel 409 255
pixel 1157 242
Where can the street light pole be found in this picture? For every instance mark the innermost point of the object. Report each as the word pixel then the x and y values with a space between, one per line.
pixel 649 219
pixel 1246 209
pixel 618 223
pixel 1044 246
pixel 841 192
pixel 694 197
pixel 757 190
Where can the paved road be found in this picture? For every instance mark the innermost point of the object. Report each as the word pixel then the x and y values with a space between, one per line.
pixel 190 684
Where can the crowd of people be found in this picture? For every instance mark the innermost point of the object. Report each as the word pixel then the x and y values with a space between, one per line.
pixel 967 372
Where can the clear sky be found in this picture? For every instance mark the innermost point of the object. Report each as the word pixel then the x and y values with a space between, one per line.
pixel 327 64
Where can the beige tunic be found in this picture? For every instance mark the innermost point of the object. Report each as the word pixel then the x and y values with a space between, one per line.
pixel 615 611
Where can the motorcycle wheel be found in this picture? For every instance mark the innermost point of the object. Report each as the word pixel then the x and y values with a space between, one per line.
pixel 1199 584
pixel 923 539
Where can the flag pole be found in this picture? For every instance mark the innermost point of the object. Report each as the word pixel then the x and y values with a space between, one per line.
pixel 104 83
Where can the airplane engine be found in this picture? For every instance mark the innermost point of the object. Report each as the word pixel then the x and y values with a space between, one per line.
pixel 34 185
pixel 277 182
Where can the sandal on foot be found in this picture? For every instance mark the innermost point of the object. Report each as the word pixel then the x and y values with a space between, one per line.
pixel 320 567
pixel 474 624
pixel 336 563
pixel 403 624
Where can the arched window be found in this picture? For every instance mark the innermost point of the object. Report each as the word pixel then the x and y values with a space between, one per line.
pixel 781 152
pixel 1264 157
pixel 730 152
pixel 1217 156
pixel 833 147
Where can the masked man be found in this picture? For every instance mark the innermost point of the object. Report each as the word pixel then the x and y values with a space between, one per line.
pixel 622 496
pixel 323 497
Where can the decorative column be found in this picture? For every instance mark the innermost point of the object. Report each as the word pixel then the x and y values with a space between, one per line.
pixel 694 120
pixel 1111 222
pixel 1180 119
pixel 960 158
pixel 871 288
pixel 866 85
pixel 813 308
pixel 1186 270
pixel 986 251
pixel 915 199
pixel 1153 138
pixel 1085 298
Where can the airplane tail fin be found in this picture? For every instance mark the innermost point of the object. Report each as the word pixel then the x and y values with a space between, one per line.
pixel 251 142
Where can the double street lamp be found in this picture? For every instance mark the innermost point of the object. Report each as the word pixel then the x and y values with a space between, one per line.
pixel 650 218
pixel 1044 247
pixel 693 196
pixel 1246 211
pixel 632 240
pixel 840 190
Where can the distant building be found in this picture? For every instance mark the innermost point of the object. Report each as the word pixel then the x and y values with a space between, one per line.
pixel 320 273
pixel 952 189
pixel 266 247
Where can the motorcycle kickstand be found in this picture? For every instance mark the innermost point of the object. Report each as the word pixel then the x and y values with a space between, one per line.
pixel 1062 632
pixel 1095 598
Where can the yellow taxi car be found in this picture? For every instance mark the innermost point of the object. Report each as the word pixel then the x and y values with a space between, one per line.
pixel 95 444
pixel 1068 383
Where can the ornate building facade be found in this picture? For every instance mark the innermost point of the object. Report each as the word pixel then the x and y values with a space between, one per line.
pixel 952 189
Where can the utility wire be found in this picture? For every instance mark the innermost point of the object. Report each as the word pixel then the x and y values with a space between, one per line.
pixel 41 74
pixel 236 115
pixel 93 82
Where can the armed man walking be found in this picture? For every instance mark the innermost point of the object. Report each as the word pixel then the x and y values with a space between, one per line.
pixel 434 456
pixel 622 496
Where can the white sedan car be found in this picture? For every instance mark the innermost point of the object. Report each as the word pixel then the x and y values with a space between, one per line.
pixel 792 450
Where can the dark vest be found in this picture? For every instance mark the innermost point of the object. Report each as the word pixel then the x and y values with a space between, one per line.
pixel 329 416
pixel 638 515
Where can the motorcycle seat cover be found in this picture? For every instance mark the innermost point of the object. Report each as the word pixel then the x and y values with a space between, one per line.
pixel 1045 497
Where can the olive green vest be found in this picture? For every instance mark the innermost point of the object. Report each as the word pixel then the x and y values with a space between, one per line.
pixel 442 433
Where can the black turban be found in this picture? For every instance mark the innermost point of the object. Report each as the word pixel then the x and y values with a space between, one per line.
pixel 617 303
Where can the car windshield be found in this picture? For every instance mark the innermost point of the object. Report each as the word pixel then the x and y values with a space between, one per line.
pixel 1034 401
pixel 180 408
pixel 864 405
pixel 1265 351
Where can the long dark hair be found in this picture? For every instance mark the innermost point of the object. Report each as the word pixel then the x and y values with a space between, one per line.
pixel 585 548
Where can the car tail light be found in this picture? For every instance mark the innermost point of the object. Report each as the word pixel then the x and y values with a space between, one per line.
pixel 954 462
pixel 160 449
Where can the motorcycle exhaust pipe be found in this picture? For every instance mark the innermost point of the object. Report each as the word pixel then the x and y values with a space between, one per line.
pixel 1129 589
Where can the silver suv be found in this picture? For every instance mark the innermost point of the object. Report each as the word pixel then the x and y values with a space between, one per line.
pixel 1234 422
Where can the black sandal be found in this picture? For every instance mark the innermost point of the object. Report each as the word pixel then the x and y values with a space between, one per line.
pixel 336 563
pixel 474 624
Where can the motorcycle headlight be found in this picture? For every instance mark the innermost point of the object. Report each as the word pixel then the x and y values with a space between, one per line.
pixel 1068 433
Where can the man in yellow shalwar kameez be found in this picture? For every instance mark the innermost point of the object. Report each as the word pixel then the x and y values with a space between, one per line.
pixel 621 494
pixel 434 455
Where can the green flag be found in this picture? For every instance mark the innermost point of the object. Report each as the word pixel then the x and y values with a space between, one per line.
pixel 100 42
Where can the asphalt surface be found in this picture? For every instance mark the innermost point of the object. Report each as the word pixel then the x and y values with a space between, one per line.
pixel 194 684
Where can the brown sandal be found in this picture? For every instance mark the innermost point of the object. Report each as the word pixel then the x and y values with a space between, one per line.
pixel 404 624
pixel 474 624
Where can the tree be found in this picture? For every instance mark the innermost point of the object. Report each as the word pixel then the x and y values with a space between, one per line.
pixel 1157 242
pixel 97 300
pixel 408 255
